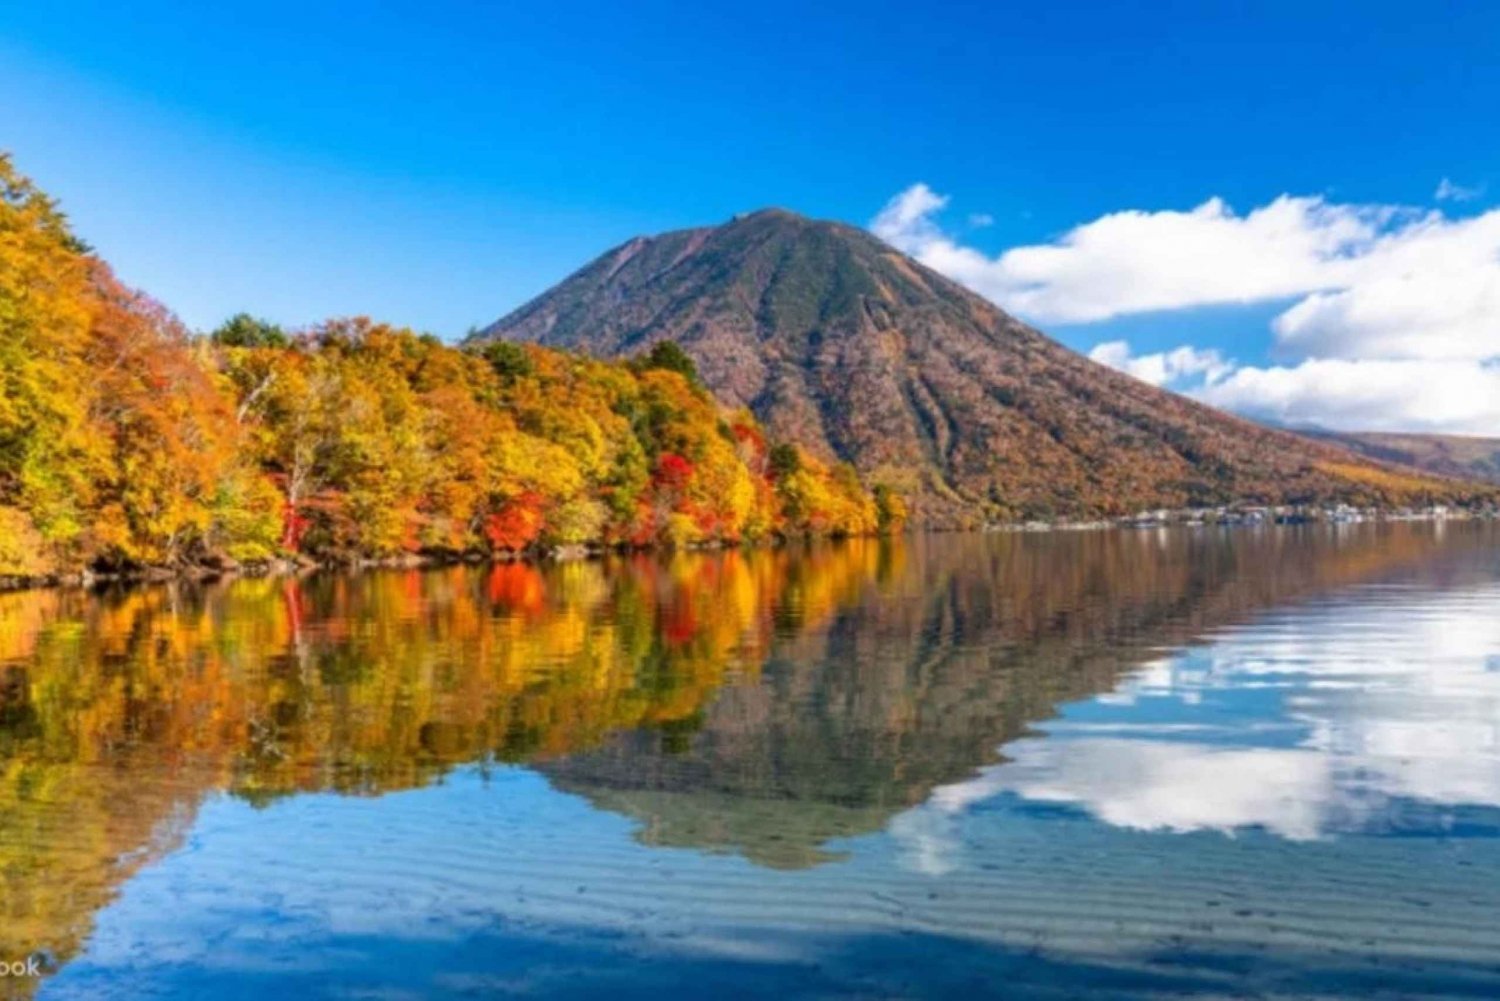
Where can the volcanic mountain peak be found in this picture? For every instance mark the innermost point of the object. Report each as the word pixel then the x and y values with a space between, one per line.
pixel 840 342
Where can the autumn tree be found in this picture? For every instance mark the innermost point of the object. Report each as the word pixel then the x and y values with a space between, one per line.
pixel 245 331
pixel 49 453
pixel 669 357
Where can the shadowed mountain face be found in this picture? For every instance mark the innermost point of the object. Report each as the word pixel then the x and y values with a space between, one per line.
pixel 838 341
pixel 1444 455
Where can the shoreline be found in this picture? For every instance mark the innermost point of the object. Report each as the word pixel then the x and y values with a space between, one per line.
pixel 285 567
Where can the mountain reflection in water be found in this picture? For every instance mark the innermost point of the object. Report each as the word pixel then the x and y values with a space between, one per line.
pixel 772 705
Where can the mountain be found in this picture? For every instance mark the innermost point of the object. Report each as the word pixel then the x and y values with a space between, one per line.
pixel 1444 455
pixel 839 342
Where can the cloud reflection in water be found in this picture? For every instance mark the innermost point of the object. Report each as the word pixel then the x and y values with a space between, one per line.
pixel 1376 712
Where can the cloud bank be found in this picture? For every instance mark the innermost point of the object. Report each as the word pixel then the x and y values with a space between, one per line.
pixel 1393 321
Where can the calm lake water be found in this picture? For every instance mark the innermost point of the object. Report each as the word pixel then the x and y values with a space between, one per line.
pixel 1133 764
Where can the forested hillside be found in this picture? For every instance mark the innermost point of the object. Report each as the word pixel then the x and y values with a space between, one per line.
pixel 128 442
pixel 1467 457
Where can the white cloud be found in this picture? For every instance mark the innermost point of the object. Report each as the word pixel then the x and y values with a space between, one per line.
pixel 910 212
pixel 1430 290
pixel 1163 368
pixel 1437 396
pixel 1386 299
pixel 1448 191
pixel 1459 397
pixel 981 220
pixel 1131 262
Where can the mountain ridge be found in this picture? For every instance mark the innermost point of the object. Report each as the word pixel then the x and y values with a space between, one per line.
pixel 837 340
pixel 1469 457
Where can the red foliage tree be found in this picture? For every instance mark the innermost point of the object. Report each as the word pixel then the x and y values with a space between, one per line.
pixel 673 472
pixel 516 525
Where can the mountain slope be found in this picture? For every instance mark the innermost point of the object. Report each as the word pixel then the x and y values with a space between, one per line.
pixel 1444 455
pixel 838 341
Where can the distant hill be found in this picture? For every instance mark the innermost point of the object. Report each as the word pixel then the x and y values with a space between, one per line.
pixel 838 341
pixel 1445 455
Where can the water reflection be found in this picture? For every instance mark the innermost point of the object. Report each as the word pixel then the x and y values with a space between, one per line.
pixel 922 682
pixel 769 705
pixel 1377 711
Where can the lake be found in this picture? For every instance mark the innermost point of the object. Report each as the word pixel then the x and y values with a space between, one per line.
pixel 1170 762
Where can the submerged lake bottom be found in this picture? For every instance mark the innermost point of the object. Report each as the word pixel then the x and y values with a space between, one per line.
pixel 1195 762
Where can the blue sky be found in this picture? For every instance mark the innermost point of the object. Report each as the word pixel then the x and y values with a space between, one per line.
pixel 437 164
